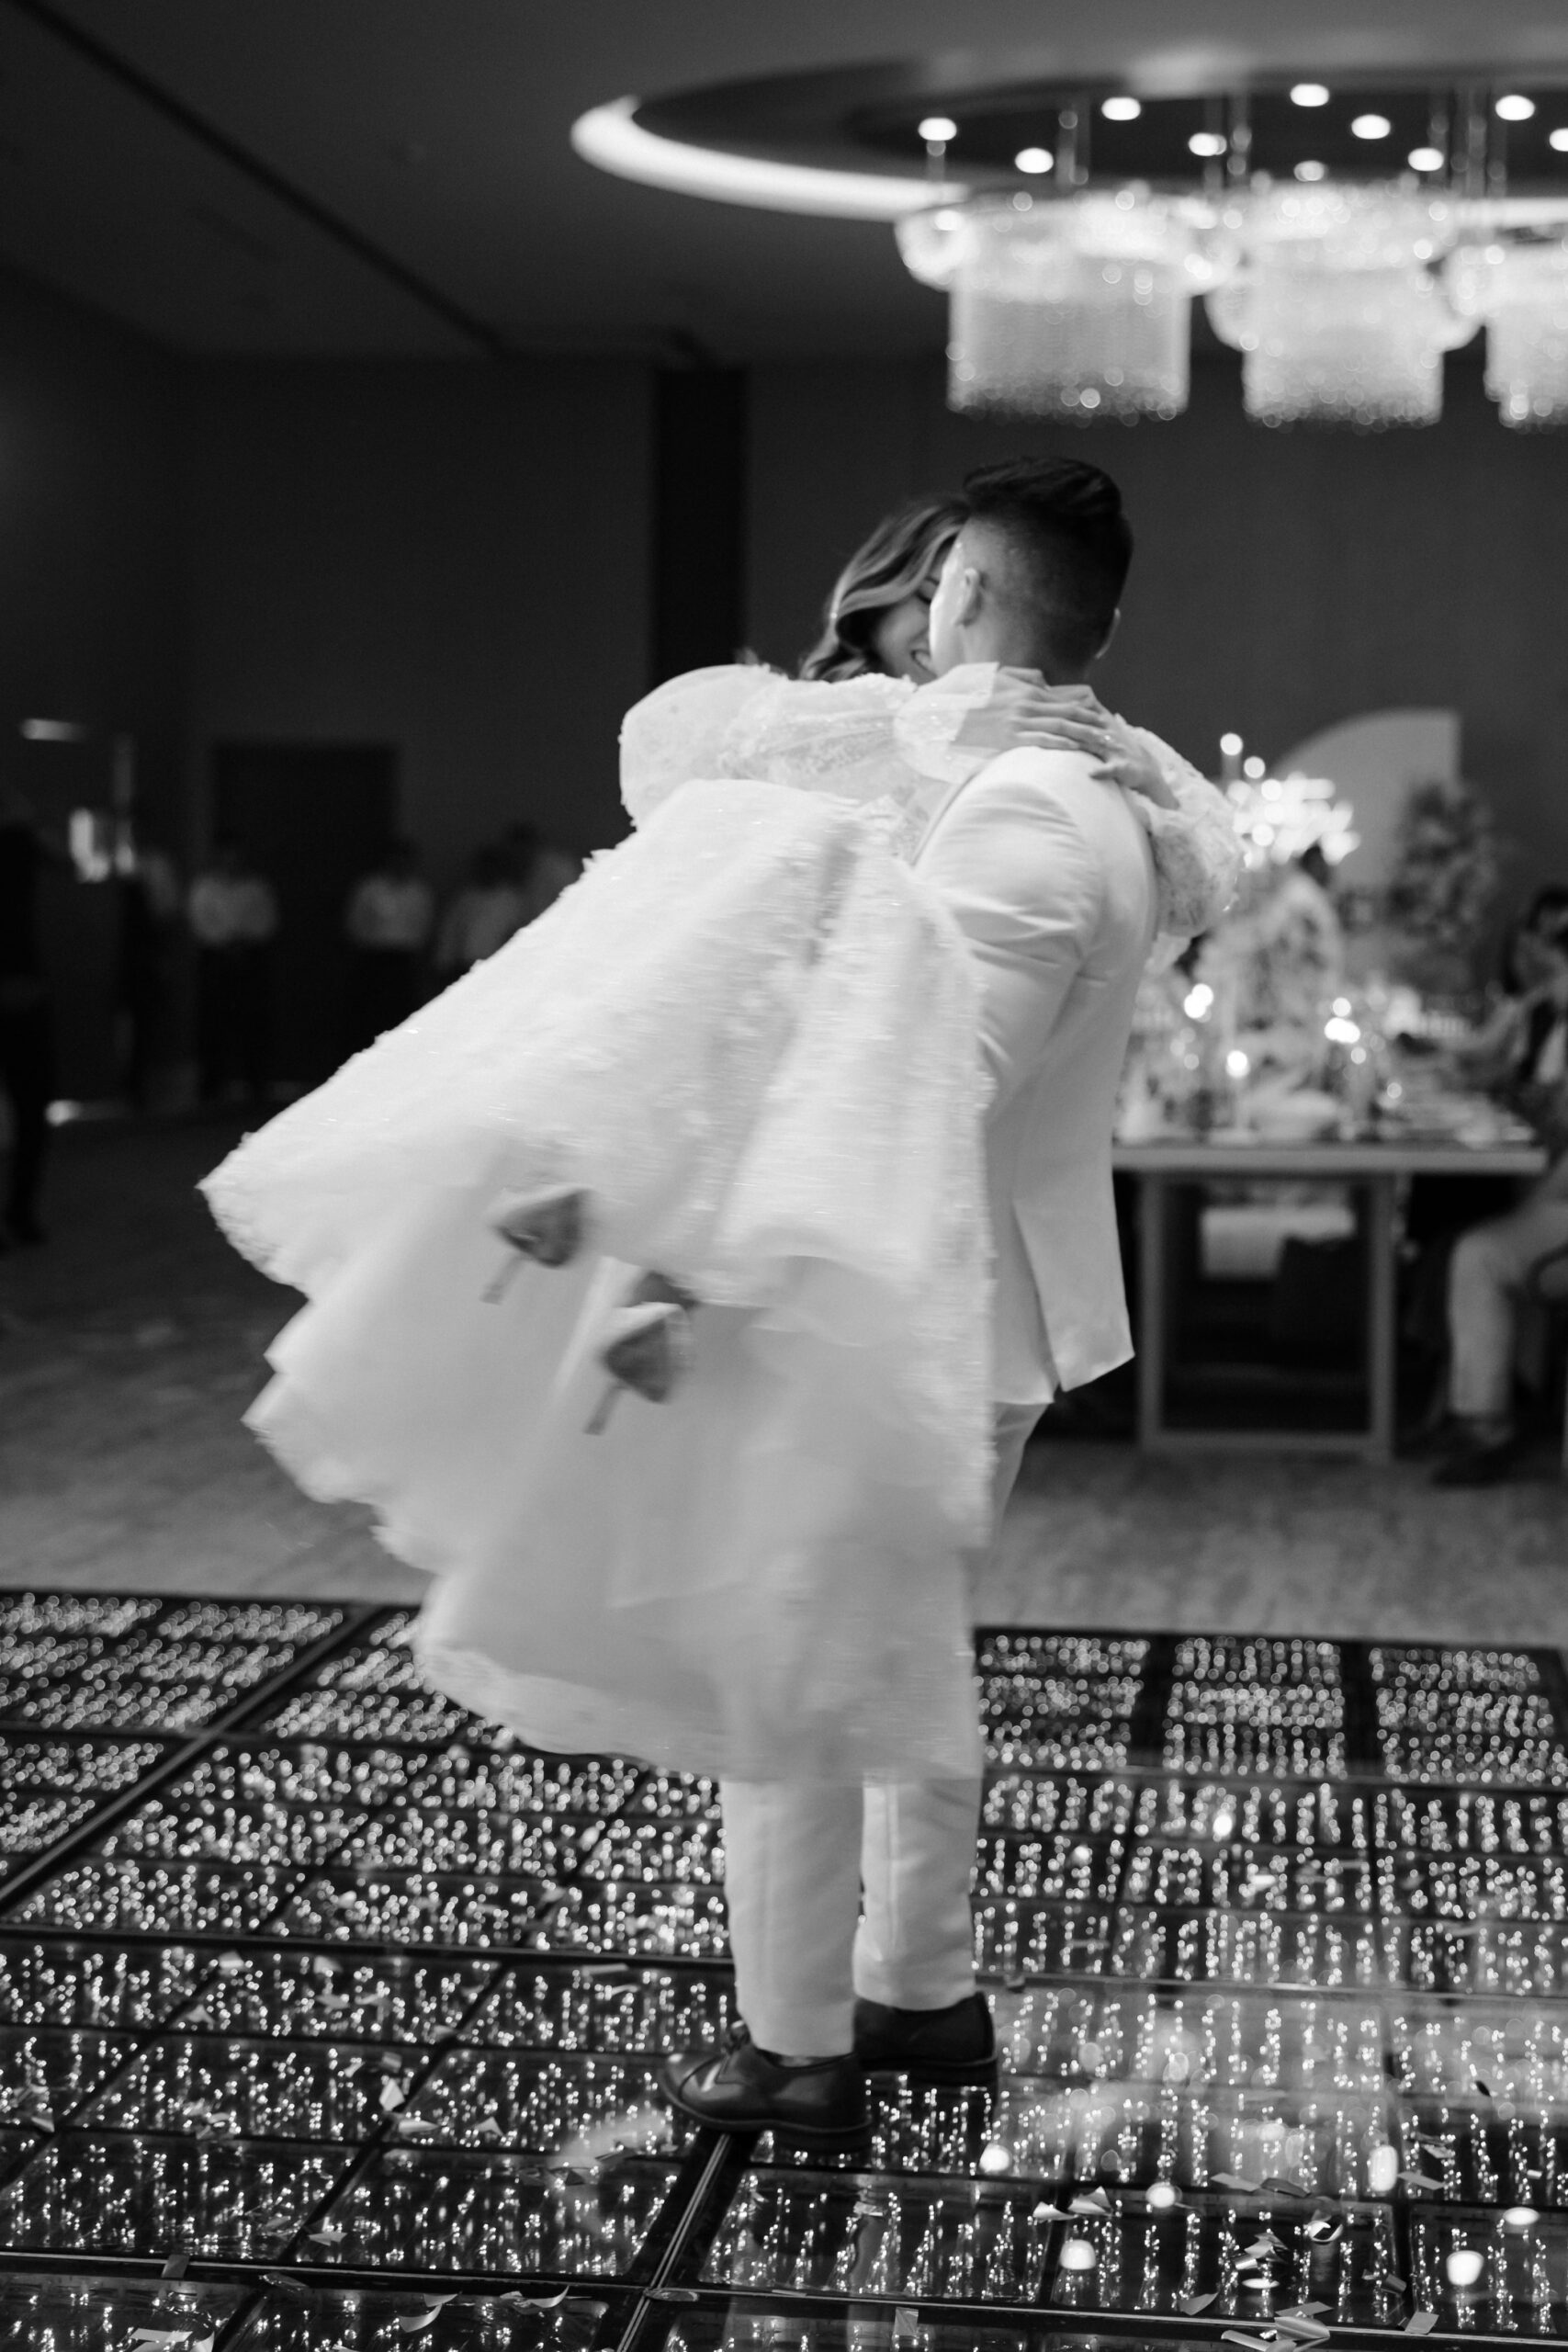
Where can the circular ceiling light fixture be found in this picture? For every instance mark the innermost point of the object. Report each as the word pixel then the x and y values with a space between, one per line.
pixel 611 138
pixel 1074 300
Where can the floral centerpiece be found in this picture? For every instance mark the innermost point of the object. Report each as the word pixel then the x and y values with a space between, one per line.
pixel 1444 881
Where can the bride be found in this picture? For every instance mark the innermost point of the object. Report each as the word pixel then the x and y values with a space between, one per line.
pixel 646 1268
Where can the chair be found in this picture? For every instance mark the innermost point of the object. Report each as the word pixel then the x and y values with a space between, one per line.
pixel 1549 1287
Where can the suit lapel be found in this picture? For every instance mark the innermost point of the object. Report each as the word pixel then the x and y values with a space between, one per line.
pixel 940 812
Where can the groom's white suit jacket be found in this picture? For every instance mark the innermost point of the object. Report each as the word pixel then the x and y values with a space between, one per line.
pixel 1049 875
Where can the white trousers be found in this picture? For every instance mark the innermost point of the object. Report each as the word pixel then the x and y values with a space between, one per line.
pixel 801 1855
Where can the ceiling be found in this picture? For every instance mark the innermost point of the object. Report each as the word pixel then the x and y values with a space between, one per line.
pixel 394 177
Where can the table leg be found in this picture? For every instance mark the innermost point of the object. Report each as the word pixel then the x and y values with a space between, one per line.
pixel 1382 1356
pixel 1152 1321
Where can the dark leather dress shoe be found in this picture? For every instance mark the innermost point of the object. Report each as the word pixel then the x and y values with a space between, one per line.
pixel 958 2044
pixel 1477 1461
pixel 738 2087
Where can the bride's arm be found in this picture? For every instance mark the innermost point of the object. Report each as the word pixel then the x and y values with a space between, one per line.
pixel 1196 847
pixel 680 731
pixel 875 737
pixel 822 734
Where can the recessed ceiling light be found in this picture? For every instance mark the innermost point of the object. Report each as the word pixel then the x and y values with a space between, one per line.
pixel 1308 93
pixel 1371 125
pixel 1558 139
pixel 936 130
pixel 1206 142
pixel 1426 159
pixel 1311 170
pixel 1035 159
pixel 1516 108
pixel 1121 110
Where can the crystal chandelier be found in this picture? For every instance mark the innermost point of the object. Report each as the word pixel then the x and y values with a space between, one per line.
pixel 1077 306
pixel 1345 238
pixel 1337 307
pixel 1342 294
pixel 1521 291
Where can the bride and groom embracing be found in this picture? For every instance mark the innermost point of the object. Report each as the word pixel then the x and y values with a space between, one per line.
pixel 684 1283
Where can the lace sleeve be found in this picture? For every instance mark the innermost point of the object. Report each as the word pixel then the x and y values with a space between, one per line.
pixel 1197 852
pixel 871 739
pixel 679 732
pixel 826 735
pixel 928 725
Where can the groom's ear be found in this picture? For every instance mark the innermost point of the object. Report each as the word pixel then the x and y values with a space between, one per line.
pixel 971 595
pixel 1105 641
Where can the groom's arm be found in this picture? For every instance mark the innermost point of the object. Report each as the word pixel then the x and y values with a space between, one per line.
pixel 1022 883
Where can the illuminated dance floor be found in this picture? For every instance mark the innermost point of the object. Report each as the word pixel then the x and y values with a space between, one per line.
pixel 329 2016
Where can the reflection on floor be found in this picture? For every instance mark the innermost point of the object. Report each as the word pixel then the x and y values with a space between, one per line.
pixel 328 2015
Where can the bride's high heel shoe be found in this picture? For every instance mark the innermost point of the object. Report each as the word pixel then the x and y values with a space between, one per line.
pixel 548 1225
pixel 648 1346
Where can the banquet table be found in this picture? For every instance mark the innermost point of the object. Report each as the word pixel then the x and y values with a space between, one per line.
pixel 1377 1169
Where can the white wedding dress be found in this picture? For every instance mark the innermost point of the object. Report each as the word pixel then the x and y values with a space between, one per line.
pixel 747 1036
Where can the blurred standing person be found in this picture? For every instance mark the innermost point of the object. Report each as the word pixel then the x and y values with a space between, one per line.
pixel 232 912
pixel 26 1027
pixel 390 919
pixel 149 929
pixel 482 917
pixel 541 869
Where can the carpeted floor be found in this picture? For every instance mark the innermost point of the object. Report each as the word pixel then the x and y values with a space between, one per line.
pixel 130 1344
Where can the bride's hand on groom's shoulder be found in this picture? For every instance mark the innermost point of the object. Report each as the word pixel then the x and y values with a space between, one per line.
pixel 1022 711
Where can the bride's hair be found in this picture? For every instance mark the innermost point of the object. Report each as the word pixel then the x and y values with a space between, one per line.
pixel 885 568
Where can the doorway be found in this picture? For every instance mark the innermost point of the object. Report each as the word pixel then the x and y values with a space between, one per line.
pixel 313 818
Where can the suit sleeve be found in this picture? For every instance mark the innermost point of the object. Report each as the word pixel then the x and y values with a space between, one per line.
pixel 1018 877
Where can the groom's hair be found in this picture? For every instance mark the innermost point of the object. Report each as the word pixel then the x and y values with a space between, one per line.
pixel 1070 543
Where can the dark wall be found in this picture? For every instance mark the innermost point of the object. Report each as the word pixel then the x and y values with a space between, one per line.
pixel 90 605
pixel 92 622
pixel 698 585
pixel 460 559
pixel 453 557
pixel 1284 580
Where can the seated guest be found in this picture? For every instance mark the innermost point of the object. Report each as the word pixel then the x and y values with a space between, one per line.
pixel 1524 1051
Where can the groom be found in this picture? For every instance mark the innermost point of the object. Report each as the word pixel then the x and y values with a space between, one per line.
pixel 1050 878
